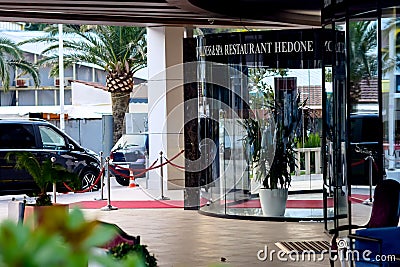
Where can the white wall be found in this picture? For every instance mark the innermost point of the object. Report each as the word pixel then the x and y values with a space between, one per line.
pixel 83 94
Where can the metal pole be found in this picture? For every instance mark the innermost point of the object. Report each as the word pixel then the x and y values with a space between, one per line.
pixel 147 173
pixel 61 75
pixel 107 170
pixel 370 160
pixel 53 159
pixel 54 193
pixel 162 178
pixel 102 177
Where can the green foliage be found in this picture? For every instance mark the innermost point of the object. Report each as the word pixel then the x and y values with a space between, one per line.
pixel 61 240
pixel 279 174
pixel 328 75
pixel 252 138
pixel 124 249
pixel 120 51
pixel 112 48
pixel 312 140
pixel 270 143
pixel 362 58
pixel 11 57
pixel 43 173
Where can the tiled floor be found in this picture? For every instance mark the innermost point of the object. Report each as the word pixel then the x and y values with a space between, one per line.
pixel 186 238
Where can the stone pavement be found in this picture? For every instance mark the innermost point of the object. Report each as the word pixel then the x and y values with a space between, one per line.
pixel 186 238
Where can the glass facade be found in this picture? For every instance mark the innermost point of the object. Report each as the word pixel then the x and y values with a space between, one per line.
pixel 351 90
pixel 390 87
pixel 260 102
pixel 368 107
pixel 345 89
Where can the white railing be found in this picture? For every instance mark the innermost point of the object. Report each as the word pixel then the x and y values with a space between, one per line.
pixel 307 159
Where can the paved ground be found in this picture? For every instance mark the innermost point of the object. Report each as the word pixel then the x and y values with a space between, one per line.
pixel 187 238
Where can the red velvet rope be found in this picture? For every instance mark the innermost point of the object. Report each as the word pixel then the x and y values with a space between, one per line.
pixel 358 163
pixel 152 167
pixel 362 161
pixel 173 164
pixel 135 170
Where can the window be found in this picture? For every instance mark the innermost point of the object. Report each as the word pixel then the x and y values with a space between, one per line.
pixel 51 139
pixel 17 136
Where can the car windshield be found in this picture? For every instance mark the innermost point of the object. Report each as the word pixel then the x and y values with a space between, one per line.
pixel 130 140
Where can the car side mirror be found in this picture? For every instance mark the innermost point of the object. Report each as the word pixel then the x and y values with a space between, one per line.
pixel 71 147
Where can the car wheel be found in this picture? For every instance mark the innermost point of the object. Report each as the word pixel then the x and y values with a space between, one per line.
pixel 121 180
pixel 88 177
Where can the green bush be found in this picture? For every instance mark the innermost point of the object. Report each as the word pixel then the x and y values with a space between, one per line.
pixel 124 249
pixel 67 241
pixel 312 140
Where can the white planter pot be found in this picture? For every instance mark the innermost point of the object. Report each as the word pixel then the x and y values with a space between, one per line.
pixel 273 201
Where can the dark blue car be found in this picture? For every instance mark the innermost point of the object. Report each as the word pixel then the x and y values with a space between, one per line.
pixel 129 152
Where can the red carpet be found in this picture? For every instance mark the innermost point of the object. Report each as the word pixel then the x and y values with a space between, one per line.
pixel 165 204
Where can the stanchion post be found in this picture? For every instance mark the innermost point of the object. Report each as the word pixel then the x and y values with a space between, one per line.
pixel 102 177
pixel 53 159
pixel 107 171
pixel 54 192
pixel 162 197
pixel 370 161
pixel 147 173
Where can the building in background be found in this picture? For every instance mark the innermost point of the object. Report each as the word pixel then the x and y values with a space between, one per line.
pixel 84 114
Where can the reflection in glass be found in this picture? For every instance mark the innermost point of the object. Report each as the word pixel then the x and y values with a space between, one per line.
pixel 233 188
pixel 390 43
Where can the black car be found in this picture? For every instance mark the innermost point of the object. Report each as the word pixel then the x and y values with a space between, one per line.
pixel 129 153
pixel 44 140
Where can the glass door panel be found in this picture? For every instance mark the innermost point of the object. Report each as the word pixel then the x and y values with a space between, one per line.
pixel 390 42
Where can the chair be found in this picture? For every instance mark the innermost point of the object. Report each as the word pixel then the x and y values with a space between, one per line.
pixel 381 234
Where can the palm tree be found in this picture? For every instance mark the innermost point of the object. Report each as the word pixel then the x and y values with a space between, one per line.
pixel 11 57
pixel 120 51
pixel 363 63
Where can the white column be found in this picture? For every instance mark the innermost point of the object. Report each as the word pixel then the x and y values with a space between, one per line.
pixel 61 75
pixel 165 101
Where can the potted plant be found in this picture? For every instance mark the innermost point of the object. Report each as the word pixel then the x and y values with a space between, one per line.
pixel 62 240
pixel 270 138
pixel 44 173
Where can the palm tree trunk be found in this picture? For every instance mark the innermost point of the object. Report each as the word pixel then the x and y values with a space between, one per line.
pixel 120 105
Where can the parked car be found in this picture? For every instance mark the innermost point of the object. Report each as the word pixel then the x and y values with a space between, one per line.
pixel 129 152
pixel 44 140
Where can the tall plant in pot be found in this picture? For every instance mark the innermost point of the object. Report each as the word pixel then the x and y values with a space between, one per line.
pixel 270 136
